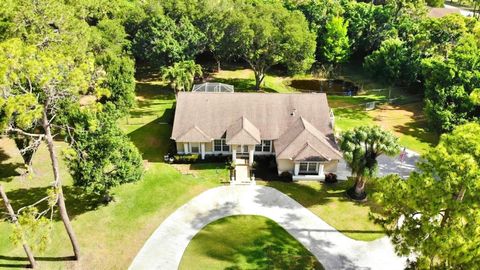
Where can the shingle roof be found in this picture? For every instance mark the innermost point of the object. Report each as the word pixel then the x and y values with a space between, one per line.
pixel 292 143
pixel 309 153
pixel 242 131
pixel 291 120
pixel 194 134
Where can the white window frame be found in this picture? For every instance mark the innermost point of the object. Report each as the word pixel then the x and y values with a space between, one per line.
pixel 309 167
pixel 224 147
pixel 263 146
pixel 191 145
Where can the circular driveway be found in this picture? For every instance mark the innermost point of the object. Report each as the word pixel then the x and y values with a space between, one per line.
pixel 164 249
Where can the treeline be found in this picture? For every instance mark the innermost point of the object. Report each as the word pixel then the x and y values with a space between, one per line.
pixel 396 41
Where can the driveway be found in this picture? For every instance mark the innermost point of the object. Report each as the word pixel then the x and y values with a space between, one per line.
pixel 164 249
pixel 386 165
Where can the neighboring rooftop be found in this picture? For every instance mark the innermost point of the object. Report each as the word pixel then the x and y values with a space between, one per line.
pixel 442 12
pixel 213 87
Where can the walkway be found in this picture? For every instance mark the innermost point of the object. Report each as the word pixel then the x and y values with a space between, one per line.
pixel 164 249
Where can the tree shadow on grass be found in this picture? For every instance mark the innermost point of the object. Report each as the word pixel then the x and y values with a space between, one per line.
pixel 76 199
pixel 418 130
pixel 149 90
pixel 358 114
pixel 8 170
pixel 25 259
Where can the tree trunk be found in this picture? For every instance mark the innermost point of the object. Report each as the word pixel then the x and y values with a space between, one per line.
pixel 459 197
pixel 58 186
pixel 219 66
pixel 10 211
pixel 258 79
pixel 360 186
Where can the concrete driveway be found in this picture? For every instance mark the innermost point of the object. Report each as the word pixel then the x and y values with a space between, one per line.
pixel 386 165
pixel 164 249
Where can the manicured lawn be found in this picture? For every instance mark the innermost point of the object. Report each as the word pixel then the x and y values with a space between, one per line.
pixel 406 120
pixel 242 242
pixel 109 236
pixel 329 203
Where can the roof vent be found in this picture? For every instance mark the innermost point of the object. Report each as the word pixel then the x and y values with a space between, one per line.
pixel 293 112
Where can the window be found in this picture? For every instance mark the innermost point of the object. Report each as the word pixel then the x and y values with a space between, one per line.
pixel 264 146
pixel 194 148
pixel 220 146
pixel 217 145
pixel 308 167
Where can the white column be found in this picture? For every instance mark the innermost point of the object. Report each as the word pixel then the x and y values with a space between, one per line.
pixel 202 150
pixel 234 152
pixel 251 150
pixel 297 169
pixel 320 169
pixel 185 148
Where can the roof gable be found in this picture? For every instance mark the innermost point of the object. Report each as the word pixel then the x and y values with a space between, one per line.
pixel 304 137
pixel 243 131
pixel 309 153
pixel 194 134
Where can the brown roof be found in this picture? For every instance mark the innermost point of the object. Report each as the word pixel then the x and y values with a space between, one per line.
pixel 309 153
pixel 242 131
pixel 442 12
pixel 303 136
pixel 291 119
pixel 194 134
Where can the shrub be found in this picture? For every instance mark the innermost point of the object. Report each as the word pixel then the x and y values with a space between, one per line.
pixel 330 178
pixel 286 176
pixel 185 159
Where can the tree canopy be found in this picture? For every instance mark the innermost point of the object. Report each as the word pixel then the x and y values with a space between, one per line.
pixel 266 34
pixel 361 147
pixel 434 213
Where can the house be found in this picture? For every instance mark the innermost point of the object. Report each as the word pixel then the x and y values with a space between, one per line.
pixel 296 128
pixel 442 12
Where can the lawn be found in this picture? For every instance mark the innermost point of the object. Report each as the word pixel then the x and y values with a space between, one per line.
pixel 405 117
pixel 329 203
pixel 109 236
pixel 244 242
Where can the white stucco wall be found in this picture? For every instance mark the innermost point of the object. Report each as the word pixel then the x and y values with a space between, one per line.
pixel 288 165
pixel 285 165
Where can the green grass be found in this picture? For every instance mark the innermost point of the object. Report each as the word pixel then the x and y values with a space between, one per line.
pixel 240 242
pixel 109 236
pixel 329 203
pixel 244 81
pixel 350 112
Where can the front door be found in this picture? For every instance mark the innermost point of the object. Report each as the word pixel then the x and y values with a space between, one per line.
pixel 242 149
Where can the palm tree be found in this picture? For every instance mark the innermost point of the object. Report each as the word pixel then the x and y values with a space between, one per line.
pixel 181 75
pixel 361 147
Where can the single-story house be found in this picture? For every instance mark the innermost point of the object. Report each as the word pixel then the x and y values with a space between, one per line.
pixel 296 128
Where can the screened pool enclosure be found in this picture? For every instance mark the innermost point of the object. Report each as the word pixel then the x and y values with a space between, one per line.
pixel 212 87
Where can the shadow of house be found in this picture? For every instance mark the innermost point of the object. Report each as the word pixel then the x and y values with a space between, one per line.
pixel 153 140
